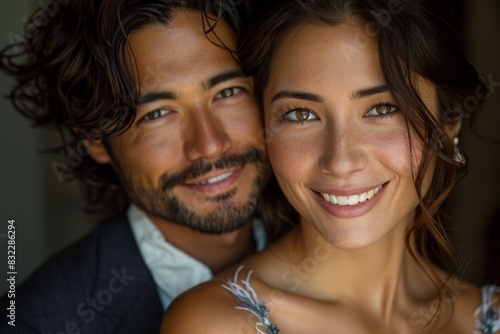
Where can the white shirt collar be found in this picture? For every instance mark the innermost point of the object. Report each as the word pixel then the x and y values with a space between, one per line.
pixel 173 270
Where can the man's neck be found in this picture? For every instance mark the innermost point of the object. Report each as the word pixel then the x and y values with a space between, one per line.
pixel 216 251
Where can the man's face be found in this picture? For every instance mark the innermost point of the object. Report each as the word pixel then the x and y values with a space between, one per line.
pixel 194 154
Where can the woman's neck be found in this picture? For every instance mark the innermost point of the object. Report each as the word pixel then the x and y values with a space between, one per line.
pixel 375 276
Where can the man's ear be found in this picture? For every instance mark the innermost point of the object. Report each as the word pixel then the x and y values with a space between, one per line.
pixel 97 151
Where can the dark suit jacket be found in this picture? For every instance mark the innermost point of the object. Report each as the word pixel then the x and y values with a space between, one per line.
pixel 98 285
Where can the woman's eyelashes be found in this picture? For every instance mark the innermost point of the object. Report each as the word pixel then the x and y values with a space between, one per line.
pixel 381 110
pixel 301 115
pixel 298 115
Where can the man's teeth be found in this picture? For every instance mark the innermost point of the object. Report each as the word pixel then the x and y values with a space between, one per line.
pixel 215 179
pixel 351 200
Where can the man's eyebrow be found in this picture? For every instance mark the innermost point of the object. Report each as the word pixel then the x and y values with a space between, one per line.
pixel 370 91
pixel 291 94
pixel 155 96
pixel 166 95
pixel 217 79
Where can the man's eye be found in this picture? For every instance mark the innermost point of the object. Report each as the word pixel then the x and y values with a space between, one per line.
pixel 228 92
pixel 155 114
pixel 382 110
pixel 299 115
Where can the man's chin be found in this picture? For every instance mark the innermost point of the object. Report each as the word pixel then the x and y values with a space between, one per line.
pixel 223 229
pixel 221 219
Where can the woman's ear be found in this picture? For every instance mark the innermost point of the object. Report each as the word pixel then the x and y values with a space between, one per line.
pixel 97 151
pixel 453 128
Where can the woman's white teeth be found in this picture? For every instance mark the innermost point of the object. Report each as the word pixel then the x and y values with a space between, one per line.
pixel 351 200
pixel 215 179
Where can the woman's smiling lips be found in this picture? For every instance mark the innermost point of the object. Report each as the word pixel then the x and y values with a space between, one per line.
pixel 351 199
pixel 349 203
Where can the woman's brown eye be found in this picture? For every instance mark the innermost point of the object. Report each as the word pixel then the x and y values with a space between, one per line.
pixel 302 115
pixel 299 115
pixel 381 110
pixel 384 109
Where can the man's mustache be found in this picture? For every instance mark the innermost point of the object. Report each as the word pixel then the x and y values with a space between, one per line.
pixel 199 168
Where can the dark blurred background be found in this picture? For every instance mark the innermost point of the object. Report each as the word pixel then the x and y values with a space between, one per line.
pixel 476 202
pixel 49 213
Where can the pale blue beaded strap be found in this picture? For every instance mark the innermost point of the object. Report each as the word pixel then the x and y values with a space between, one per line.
pixel 490 316
pixel 246 296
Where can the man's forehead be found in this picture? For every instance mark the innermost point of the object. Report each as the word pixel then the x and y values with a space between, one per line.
pixel 168 57
pixel 185 27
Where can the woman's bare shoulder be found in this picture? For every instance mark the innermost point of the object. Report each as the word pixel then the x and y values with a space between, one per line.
pixel 209 308
pixel 206 308
pixel 473 306
pixel 212 307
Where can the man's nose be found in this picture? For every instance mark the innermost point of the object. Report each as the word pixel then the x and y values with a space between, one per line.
pixel 205 136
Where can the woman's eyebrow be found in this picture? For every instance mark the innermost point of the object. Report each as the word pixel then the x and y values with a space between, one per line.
pixel 370 91
pixel 290 94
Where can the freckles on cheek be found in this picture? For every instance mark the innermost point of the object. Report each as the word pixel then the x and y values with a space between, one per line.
pixel 289 159
pixel 288 163
pixel 393 148
pixel 281 155
pixel 417 150
pixel 277 157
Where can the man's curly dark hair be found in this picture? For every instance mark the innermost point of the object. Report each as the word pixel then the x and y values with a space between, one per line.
pixel 71 70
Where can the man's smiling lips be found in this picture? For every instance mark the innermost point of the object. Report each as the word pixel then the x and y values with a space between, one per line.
pixel 215 179
pixel 215 182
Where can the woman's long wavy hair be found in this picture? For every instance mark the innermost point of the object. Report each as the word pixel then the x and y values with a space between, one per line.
pixel 414 39
pixel 71 71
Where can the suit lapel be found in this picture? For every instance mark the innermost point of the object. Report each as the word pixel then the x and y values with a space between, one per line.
pixel 125 292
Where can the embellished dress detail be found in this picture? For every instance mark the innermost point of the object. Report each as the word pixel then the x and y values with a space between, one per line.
pixel 486 316
pixel 246 296
pixel 490 316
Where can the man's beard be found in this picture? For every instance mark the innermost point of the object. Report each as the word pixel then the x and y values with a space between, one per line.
pixel 228 217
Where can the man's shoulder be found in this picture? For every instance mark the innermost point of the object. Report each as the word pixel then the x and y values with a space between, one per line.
pixel 90 285
pixel 68 267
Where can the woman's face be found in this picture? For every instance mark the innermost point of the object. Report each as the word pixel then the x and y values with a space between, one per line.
pixel 337 141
